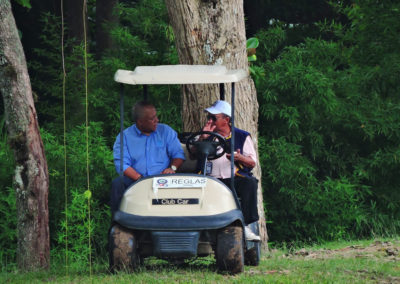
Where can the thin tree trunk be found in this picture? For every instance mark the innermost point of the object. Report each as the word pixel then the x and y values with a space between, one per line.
pixel 76 25
pixel 213 33
pixel 31 176
pixel 74 11
pixel 105 18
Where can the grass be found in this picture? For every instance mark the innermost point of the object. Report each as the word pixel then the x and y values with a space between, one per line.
pixel 339 262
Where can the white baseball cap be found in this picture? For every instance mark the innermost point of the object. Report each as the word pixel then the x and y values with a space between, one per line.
pixel 220 107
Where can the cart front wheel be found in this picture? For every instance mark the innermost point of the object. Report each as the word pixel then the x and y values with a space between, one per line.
pixel 122 249
pixel 229 249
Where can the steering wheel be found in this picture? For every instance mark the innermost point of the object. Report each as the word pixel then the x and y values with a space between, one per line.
pixel 208 147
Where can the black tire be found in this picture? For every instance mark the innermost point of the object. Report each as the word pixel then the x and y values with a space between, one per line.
pixel 122 249
pixel 252 255
pixel 229 250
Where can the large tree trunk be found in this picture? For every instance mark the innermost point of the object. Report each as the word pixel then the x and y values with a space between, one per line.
pixel 212 32
pixel 31 177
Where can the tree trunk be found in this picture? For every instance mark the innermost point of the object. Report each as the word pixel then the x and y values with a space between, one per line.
pixel 212 32
pixel 76 24
pixel 74 12
pixel 105 18
pixel 31 177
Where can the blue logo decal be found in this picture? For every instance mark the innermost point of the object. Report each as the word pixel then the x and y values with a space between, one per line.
pixel 162 182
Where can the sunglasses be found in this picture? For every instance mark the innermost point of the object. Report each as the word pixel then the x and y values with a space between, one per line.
pixel 212 117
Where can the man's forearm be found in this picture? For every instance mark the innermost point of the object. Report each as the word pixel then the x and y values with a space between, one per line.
pixel 246 161
pixel 132 173
pixel 177 162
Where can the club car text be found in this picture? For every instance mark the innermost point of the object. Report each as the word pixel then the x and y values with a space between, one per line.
pixel 175 201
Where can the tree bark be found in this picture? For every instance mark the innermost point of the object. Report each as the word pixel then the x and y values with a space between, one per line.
pixel 31 176
pixel 212 32
pixel 105 18
pixel 74 12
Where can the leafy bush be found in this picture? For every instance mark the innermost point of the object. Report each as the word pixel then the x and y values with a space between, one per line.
pixel 83 233
pixel 8 211
pixel 101 170
pixel 329 116
pixel 8 227
pixel 303 207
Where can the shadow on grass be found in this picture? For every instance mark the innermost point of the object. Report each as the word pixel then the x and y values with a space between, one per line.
pixel 193 264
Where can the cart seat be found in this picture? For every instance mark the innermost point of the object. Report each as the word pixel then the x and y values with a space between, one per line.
pixel 189 165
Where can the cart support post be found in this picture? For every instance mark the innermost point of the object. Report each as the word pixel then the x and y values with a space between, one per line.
pixel 233 147
pixel 145 93
pixel 222 91
pixel 121 136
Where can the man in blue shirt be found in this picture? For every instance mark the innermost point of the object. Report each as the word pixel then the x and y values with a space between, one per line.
pixel 150 148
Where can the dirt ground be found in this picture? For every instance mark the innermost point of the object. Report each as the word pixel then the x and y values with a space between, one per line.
pixel 385 251
pixel 381 251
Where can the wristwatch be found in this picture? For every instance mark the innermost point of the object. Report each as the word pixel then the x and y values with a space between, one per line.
pixel 174 168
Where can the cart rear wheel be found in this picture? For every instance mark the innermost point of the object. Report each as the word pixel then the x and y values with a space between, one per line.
pixel 252 255
pixel 229 250
pixel 122 249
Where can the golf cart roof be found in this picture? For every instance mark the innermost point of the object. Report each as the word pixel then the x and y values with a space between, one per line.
pixel 179 74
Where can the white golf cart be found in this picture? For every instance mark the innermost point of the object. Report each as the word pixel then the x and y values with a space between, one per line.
pixel 186 214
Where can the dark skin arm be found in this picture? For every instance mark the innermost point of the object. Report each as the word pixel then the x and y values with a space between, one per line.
pixel 133 174
pixel 175 162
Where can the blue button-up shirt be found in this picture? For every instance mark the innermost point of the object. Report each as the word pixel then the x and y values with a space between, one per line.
pixel 148 155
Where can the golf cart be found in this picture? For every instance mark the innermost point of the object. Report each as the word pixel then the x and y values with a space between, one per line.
pixel 183 215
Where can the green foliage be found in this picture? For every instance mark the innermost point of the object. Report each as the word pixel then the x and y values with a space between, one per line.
pixel 313 208
pixel 329 116
pixel 24 3
pixel 148 20
pixel 8 211
pixel 251 44
pixel 8 225
pixel 143 38
pixel 6 158
pixel 101 169
pixel 83 232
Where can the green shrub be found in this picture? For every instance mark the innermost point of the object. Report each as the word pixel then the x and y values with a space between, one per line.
pixel 83 233
pixel 301 206
pixel 101 171
pixel 329 127
pixel 8 227
pixel 8 211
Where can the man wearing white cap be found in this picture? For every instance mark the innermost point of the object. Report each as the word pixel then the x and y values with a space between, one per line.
pixel 218 120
